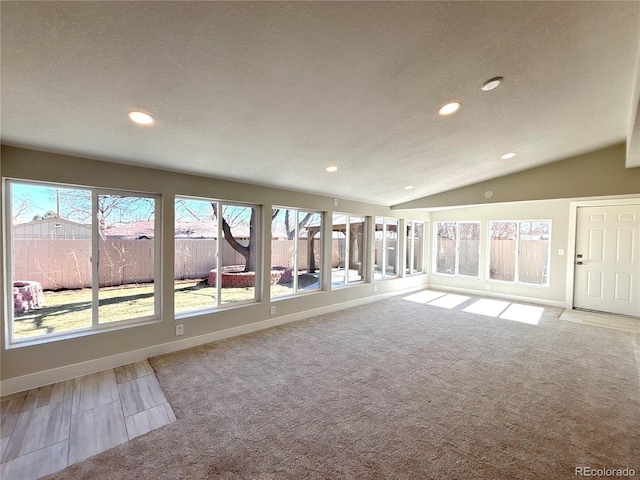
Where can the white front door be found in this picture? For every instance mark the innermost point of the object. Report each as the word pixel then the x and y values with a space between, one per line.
pixel 607 263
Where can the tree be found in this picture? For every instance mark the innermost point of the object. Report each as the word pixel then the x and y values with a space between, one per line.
pixel 75 204
pixel 291 231
pixel 20 205
pixel 234 215
pixel 248 251
pixel 49 214
pixel 303 223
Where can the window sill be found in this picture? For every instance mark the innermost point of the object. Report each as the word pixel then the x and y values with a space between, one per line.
pixel 207 311
pixel 517 284
pixel 49 338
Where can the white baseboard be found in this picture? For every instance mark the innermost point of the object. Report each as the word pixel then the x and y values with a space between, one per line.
pixel 488 293
pixel 47 377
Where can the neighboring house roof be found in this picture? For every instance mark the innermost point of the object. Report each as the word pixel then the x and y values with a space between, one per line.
pixel 194 229
pixel 143 228
pixel 51 228
pixel 51 220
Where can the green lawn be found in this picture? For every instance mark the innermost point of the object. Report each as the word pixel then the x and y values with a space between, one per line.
pixel 71 309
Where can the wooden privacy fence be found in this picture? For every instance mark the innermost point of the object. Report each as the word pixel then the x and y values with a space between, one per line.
pixel 502 261
pixel 532 264
pixel 61 263
pixel 55 264
pixel 195 258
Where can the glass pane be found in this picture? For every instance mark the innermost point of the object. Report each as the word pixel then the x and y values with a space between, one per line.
pixel 195 255
pixel 391 241
pixel 446 235
pixel 283 245
pixel 502 255
pixel 533 261
pixel 418 246
pixel 339 249
pixel 409 247
pixel 309 251
pixel 50 259
pixel 469 249
pixel 356 249
pixel 239 250
pixel 379 248
pixel 126 272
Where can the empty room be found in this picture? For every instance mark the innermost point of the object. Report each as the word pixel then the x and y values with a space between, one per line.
pixel 320 240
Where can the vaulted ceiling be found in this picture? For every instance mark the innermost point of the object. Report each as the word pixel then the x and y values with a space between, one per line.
pixel 272 93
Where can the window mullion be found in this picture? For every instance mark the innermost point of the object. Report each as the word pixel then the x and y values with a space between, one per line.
pixel 219 245
pixel 296 240
pixel 516 276
pixel 384 248
pixel 95 260
pixel 347 248
pixel 456 263
pixel 411 248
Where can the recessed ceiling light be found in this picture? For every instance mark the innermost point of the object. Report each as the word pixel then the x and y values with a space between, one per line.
pixel 449 108
pixel 332 168
pixel 491 84
pixel 408 187
pixel 140 118
pixel 507 156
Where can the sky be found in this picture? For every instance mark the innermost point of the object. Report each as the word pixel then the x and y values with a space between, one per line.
pixel 29 200
pixel 40 200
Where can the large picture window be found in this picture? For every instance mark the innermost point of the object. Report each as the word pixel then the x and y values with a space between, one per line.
pixel 348 249
pixel 386 249
pixel 216 254
pixel 519 251
pixel 414 247
pixel 457 248
pixel 296 251
pixel 79 259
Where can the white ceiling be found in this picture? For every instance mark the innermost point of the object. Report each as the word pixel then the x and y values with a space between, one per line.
pixel 272 93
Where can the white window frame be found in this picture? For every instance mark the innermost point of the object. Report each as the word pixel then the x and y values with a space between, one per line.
pixel 220 305
pixel 456 272
pixel 409 246
pixel 347 249
pixel 96 326
pixel 295 290
pixel 516 276
pixel 384 255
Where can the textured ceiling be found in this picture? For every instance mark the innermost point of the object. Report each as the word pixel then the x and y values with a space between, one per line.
pixel 272 93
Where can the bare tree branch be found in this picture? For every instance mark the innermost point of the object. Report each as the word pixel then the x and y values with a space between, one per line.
pixel 23 204
pixel 228 236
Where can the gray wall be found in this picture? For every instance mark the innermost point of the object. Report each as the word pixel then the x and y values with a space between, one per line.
pixel 33 165
pixel 600 175
pixel 601 172
pixel 558 211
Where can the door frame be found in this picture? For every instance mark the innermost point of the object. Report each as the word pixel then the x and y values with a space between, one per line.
pixel 573 233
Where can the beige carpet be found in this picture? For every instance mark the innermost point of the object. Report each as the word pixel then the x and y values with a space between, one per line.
pixel 394 389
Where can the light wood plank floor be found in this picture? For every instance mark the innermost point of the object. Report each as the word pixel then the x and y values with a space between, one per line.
pixel 46 429
pixel 607 320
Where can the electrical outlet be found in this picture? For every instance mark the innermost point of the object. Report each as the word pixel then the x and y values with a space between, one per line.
pixel 179 330
pixel 273 309
pixel 375 288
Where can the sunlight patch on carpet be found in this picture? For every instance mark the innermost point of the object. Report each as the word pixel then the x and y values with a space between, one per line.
pixel 449 301
pixel 424 296
pixel 523 314
pixel 484 306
